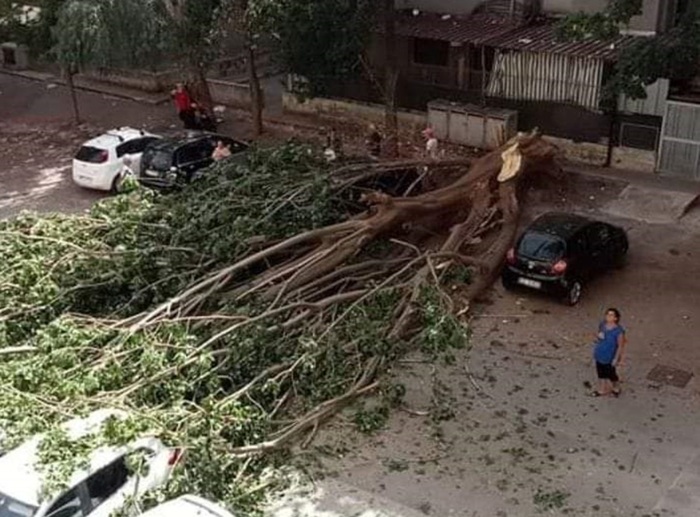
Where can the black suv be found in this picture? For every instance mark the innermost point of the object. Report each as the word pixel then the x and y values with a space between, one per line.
pixel 175 161
pixel 558 253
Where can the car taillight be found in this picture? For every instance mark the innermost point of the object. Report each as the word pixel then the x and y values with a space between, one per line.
pixel 560 267
pixel 510 256
pixel 103 157
pixel 175 457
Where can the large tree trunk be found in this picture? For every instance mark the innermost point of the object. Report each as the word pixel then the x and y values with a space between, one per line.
pixel 391 78
pixel 482 201
pixel 257 100
pixel 317 278
pixel 199 89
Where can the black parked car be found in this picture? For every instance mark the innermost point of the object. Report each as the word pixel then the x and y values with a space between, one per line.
pixel 176 161
pixel 558 253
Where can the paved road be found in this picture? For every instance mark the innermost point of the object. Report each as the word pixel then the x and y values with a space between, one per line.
pixel 40 139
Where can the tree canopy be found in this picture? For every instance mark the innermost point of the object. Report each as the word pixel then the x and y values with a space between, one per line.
pixel 319 40
pixel 674 56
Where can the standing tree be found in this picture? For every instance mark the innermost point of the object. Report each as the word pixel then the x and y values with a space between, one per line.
pixel 75 34
pixel 391 79
pixel 197 30
pixel 323 41
pixel 245 17
pixel 147 33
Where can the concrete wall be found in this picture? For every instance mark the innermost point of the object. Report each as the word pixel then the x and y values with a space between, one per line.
pixel 138 79
pixel 595 154
pixel 229 93
pixel 338 108
pixel 414 121
pixel 14 56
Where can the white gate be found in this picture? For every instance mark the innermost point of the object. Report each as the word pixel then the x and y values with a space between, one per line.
pixel 679 153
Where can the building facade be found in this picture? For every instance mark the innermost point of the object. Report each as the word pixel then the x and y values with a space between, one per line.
pixel 657 16
pixel 505 54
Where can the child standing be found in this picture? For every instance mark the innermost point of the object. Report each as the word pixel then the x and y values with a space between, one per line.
pixel 609 353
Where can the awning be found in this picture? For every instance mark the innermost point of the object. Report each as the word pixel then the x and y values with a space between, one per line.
pixel 541 37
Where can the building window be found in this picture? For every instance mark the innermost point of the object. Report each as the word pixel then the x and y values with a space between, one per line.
pixel 639 136
pixel 431 52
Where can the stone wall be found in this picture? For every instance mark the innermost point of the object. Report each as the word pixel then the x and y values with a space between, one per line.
pixel 340 108
pixel 229 93
pixel 139 79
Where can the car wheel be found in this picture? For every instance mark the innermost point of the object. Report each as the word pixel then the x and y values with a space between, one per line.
pixel 573 296
pixel 508 284
pixel 117 184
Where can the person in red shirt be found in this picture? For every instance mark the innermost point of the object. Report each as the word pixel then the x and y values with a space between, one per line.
pixel 184 105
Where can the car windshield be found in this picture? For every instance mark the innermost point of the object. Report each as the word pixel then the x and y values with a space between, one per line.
pixel 91 154
pixel 541 246
pixel 12 508
pixel 157 160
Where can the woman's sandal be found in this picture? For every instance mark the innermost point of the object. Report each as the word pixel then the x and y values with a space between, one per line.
pixel 616 393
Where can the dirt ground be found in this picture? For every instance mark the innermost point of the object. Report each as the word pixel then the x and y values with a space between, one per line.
pixel 508 429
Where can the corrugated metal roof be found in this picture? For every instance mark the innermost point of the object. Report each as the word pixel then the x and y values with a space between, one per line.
pixel 473 29
pixel 541 37
pixel 505 33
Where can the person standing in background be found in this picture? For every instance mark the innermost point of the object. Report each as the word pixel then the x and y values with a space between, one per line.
pixel 374 142
pixel 184 106
pixel 609 353
pixel 431 143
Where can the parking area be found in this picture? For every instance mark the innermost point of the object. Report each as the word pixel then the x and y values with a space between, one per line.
pixel 510 428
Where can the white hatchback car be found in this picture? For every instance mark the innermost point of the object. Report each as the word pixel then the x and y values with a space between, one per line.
pixel 188 506
pixel 101 163
pixel 106 484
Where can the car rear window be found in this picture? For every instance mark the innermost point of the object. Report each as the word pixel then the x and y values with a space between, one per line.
pixel 91 154
pixel 158 160
pixel 540 246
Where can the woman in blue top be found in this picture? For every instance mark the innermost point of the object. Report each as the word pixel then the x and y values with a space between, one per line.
pixel 609 353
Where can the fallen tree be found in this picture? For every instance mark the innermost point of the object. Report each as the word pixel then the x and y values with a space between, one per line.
pixel 238 315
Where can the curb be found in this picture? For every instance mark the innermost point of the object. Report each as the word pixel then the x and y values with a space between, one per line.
pixel 92 89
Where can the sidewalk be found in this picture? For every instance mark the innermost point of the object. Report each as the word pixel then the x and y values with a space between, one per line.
pixel 640 179
pixel 274 115
pixel 90 85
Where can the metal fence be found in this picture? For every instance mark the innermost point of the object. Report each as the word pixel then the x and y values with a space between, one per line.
pixel 679 154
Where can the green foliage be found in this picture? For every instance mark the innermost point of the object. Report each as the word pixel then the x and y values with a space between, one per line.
pixel 604 25
pixel 548 501
pixel 140 33
pixel 76 34
pixel 369 421
pixel 67 281
pixel 441 331
pixel 133 33
pixel 319 40
pixel 647 59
